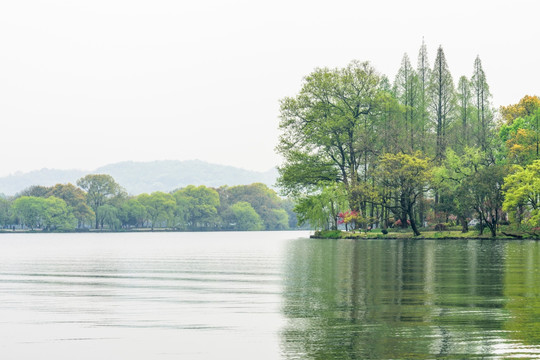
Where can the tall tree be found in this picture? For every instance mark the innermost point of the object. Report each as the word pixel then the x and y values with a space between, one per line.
pixel 327 129
pixel 424 75
pixel 464 107
pixel 406 90
pixel 99 189
pixel 442 101
pixel 481 100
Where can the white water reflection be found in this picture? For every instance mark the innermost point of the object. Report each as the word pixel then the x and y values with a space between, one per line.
pixel 141 296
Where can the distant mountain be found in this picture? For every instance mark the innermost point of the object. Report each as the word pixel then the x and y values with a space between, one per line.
pixel 141 177
pixel 12 184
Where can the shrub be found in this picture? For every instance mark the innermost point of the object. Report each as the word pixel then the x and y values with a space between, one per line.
pixel 384 231
pixel 330 234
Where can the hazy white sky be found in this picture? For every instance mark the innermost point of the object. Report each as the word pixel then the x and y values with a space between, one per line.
pixel 86 83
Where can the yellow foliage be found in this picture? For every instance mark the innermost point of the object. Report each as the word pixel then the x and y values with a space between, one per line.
pixel 526 106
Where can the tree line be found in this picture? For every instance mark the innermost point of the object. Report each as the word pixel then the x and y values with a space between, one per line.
pixel 98 201
pixel 362 150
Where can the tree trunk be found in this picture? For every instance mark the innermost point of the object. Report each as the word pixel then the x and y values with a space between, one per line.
pixel 404 212
pixel 464 225
pixel 492 228
pixel 413 226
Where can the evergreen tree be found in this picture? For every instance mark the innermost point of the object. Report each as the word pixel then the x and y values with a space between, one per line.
pixel 424 75
pixel 442 101
pixel 464 108
pixel 481 101
pixel 406 90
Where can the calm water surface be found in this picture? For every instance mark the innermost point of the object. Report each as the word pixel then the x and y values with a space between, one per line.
pixel 266 295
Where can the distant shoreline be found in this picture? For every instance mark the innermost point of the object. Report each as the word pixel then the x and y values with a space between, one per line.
pixel 142 230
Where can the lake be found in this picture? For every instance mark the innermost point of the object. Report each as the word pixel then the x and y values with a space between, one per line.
pixel 266 295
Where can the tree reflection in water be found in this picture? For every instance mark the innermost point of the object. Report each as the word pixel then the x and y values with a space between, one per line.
pixel 410 299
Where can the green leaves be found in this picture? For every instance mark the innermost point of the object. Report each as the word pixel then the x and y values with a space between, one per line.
pixel 522 200
pixel 50 213
pixel 99 188
pixel 245 217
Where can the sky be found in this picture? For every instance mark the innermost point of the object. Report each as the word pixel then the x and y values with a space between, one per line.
pixel 88 83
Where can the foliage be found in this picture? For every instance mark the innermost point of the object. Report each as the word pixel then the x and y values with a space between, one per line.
pixel 329 234
pixel 522 138
pixel 200 204
pixel 57 215
pixel 159 207
pixel 452 180
pixel 75 199
pixel 245 217
pixel 109 215
pixel 408 177
pixel 5 212
pixel 264 201
pixel 29 210
pixel 349 217
pixel 320 210
pixel 50 213
pixel 525 107
pixel 325 128
pixel 133 213
pixel 522 190
pixel 100 188
pixel 442 101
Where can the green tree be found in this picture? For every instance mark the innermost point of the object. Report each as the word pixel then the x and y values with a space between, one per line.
pixel 442 101
pixel 133 213
pixel 327 130
pixel 408 176
pixel 50 213
pixel 481 101
pixel 320 210
pixel 57 215
pixel 485 186
pixel 406 90
pixel 5 212
pixel 159 207
pixel 288 205
pixel 75 198
pixel 522 194
pixel 278 219
pixel 245 217
pixel 100 188
pixel 464 110
pixel 201 206
pixel 29 210
pixel 453 178
pixel 522 138
pixel 264 200
pixel 424 76
pixel 109 215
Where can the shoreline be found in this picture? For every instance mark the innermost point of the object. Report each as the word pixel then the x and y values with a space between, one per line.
pixel 426 235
